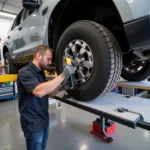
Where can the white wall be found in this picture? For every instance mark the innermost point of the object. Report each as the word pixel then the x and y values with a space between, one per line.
pixel 4 27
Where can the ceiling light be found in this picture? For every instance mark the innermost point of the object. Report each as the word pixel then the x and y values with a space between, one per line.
pixel 4 14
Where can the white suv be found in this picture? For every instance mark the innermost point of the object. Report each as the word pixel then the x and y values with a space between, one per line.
pixel 104 38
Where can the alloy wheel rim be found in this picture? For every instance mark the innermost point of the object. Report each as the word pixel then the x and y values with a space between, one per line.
pixel 82 59
pixel 135 67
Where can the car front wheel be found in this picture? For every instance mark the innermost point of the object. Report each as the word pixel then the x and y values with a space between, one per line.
pixel 96 56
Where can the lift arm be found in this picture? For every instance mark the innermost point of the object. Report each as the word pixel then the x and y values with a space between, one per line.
pixel 107 107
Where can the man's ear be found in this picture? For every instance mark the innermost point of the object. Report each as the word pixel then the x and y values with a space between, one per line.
pixel 39 56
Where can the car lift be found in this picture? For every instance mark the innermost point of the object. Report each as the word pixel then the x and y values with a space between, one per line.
pixel 107 106
pixel 8 92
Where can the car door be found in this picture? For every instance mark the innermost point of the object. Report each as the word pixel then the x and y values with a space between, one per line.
pixel 12 37
pixel 30 34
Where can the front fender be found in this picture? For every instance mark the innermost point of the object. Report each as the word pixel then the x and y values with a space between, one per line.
pixel 132 9
pixel 5 44
pixel 124 10
pixel 47 19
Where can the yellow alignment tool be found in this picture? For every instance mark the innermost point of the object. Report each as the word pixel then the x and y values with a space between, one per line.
pixel 68 61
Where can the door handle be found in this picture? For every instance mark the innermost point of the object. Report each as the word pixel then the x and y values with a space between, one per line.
pixel 20 28
pixel 8 37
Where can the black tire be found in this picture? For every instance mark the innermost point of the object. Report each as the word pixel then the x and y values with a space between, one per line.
pixel 139 76
pixel 12 67
pixel 106 53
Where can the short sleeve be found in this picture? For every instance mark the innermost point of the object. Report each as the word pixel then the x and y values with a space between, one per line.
pixel 28 80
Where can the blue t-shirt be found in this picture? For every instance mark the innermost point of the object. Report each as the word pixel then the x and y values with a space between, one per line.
pixel 34 115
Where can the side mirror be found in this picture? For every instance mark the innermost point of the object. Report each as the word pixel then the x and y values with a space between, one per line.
pixel 31 4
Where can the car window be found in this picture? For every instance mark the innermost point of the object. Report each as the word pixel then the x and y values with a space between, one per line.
pixel 30 12
pixel 17 20
pixel 24 14
pixel 27 13
pixel 13 24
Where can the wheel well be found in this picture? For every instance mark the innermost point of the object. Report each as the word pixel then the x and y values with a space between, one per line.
pixel 5 49
pixel 100 11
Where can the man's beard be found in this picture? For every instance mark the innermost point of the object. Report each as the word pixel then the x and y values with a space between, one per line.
pixel 42 67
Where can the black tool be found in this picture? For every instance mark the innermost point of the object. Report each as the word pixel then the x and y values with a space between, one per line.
pixel 122 110
pixel 68 62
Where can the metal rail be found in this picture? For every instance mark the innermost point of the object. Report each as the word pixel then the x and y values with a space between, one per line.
pixel 107 115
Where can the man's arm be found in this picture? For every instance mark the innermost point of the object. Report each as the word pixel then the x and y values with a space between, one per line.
pixel 52 87
pixel 54 92
pixel 63 87
pixel 32 84
pixel 48 88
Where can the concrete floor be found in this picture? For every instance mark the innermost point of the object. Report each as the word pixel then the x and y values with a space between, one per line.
pixel 69 130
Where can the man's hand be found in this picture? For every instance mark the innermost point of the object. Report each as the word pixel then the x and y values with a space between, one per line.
pixel 68 70
pixel 65 85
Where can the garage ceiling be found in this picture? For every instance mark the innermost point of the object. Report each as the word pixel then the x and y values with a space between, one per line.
pixel 11 6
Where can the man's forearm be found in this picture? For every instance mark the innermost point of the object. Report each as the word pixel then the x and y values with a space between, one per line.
pixel 48 87
pixel 54 92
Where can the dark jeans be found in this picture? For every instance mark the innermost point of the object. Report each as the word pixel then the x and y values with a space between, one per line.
pixel 37 140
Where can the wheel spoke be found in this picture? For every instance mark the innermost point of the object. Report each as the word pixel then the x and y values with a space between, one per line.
pixel 87 64
pixel 70 44
pixel 74 50
pixel 82 58
pixel 82 51
pixel 89 54
pixel 84 45
pixel 80 73
pixel 68 55
pixel 78 43
pixel 88 74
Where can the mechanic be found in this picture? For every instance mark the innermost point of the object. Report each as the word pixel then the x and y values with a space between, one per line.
pixel 33 91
